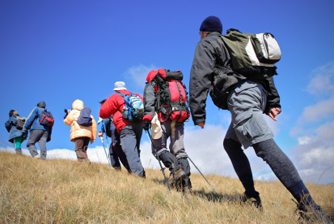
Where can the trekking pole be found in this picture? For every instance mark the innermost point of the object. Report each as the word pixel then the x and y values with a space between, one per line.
pixel 201 174
pixel 108 157
pixel 105 152
pixel 155 152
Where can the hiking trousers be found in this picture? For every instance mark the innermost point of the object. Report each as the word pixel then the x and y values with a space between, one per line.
pixel 246 104
pixel 130 137
pixel 41 137
pixel 81 146
pixel 117 155
pixel 18 141
pixel 176 133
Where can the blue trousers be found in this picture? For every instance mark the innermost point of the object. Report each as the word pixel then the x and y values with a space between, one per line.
pixel 130 141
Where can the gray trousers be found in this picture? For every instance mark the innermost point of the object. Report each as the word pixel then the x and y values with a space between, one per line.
pixel 176 146
pixel 246 104
pixel 130 141
pixel 39 136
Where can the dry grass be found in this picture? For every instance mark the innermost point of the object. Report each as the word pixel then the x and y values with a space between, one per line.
pixel 62 191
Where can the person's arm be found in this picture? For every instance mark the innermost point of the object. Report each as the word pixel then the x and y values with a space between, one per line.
pixel 273 106
pixel 109 107
pixel 30 119
pixel 149 101
pixel 70 118
pixel 200 80
pixel 8 124
pixel 94 130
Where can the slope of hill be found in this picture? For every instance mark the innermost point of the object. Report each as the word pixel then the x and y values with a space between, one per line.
pixel 63 191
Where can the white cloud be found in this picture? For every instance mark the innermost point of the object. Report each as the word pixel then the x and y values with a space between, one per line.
pixel 304 140
pixel 321 82
pixel 314 130
pixel 138 74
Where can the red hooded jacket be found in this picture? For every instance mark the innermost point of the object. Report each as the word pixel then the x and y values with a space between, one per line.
pixel 114 105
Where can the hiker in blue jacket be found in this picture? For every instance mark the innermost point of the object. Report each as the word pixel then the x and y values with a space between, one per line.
pixel 38 132
pixel 15 135
pixel 115 148
pixel 247 99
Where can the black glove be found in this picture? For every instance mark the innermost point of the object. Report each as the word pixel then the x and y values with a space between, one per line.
pixel 146 125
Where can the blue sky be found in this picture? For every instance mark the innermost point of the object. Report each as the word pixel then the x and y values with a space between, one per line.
pixel 60 51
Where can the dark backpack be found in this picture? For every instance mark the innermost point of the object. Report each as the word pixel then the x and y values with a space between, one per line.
pixel 172 97
pixel 46 118
pixel 252 54
pixel 84 117
pixel 20 121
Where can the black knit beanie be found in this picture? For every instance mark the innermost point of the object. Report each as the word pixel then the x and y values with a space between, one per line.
pixel 11 112
pixel 210 24
pixel 41 104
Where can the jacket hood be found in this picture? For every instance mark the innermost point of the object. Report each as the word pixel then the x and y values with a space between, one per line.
pixel 41 104
pixel 77 105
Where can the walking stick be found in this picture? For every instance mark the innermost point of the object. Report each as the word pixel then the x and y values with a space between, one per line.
pixel 155 152
pixel 201 174
pixel 106 152
pixel 108 157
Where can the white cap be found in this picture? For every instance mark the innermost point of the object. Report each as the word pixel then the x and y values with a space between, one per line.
pixel 156 127
pixel 119 86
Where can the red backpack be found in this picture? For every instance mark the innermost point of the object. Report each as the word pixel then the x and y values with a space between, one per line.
pixel 172 99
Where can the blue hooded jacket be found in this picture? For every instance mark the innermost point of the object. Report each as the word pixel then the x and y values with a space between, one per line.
pixel 11 128
pixel 32 121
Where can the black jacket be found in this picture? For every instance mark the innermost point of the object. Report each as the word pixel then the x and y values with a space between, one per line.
pixel 211 53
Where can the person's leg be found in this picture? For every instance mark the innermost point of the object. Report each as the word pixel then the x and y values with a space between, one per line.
pixel 42 144
pixel 114 157
pixel 241 166
pixel 284 169
pixel 121 155
pixel 287 173
pixel 17 144
pixel 79 149
pixel 85 148
pixel 34 137
pixel 129 146
pixel 181 161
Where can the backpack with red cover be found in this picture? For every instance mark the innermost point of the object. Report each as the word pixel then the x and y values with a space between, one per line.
pixel 172 99
pixel 46 118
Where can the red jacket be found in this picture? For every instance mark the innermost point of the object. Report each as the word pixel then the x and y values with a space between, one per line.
pixel 114 105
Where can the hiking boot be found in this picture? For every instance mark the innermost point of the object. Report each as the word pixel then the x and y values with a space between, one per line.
pixel 37 157
pixel 117 168
pixel 173 178
pixel 18 152
pixel 187 190
pixel 252 201
pixel 312 214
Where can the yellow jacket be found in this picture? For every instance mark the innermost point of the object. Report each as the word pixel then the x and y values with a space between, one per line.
pixel 76 129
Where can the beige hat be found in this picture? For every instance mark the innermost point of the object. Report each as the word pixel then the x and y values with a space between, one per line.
pixel 156 127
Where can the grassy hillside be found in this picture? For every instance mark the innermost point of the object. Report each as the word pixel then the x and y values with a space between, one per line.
pixel 62 191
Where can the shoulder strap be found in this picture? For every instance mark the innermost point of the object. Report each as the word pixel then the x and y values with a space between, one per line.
pixel 121 94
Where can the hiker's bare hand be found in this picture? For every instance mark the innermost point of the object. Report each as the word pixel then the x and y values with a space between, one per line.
pixel 201 124
pixel 274 112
